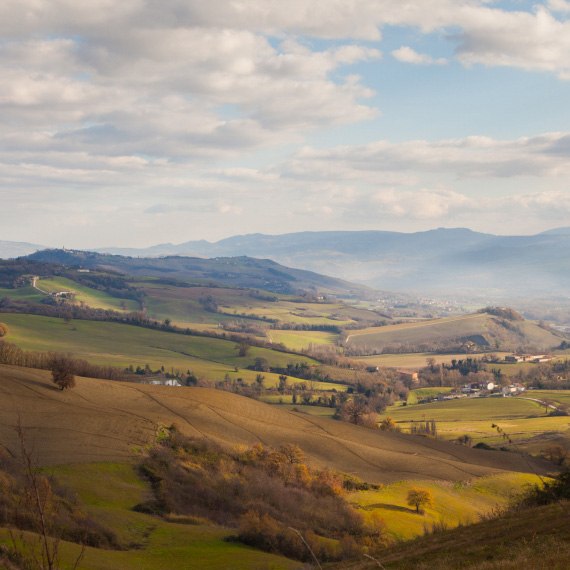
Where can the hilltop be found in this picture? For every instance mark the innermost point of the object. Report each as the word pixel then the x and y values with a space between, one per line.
pixel 481 331
pixel 230 271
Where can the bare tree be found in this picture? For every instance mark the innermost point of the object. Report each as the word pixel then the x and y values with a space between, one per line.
pixel 42 551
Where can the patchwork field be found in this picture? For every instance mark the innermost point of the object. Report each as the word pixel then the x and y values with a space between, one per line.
pixel 188 306
pixel 89 437
pixel 124 345
pixel 522 419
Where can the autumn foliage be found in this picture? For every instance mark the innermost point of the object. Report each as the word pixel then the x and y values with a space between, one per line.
pixel 268 495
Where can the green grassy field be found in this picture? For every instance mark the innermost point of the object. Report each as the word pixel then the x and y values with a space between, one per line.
pixel 418 359
pixel 562 396
pixel 124 345
pixel 302 340
pixel 453 503
pixel 91 297
pixel 420 393
pixel 109 493
pixel 22 293
pixel 521 419
pixel 185 307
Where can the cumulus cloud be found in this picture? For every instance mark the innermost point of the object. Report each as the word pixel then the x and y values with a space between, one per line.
pixel 407 54
pixel 167 102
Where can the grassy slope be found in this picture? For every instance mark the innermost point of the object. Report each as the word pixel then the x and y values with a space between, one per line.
pixel 182 305
pixel 453 503
pixel 538 538
pixel 440 330
pixel 109 491
pixel 23 294
pixel 122 345
pixel 108 421
pixel 91 297
pixel 521 419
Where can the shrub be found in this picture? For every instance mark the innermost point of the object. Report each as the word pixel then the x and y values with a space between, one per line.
pixel 62 371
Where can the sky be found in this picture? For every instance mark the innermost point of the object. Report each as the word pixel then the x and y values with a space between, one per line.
pixel 140 122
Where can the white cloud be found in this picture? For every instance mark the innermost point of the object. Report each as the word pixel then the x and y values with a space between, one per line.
pixel 407 54
pixel 166 102
pixel 559 5
pixel 470 157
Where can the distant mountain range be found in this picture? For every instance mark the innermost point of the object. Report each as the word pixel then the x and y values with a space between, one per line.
pixel 240 271
pixel 11 249
pixel 436 262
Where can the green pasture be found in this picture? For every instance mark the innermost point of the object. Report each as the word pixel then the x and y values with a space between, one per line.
pixel 91 297
pixel 421 393
pixel 302 340
pixel 422 331
pixel 453 503
pixel 521 419
pixel 417 360
pixel 182 304
pixel 184 307
pixel 561 396
pixel 121 345
pixel 109 493
pixel 27 293
pixel 291 312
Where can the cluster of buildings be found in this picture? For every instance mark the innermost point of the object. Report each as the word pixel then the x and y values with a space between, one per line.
pixel 492 389
pixel 534 358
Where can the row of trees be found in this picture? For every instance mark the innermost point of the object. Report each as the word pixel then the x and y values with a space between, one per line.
pixel 13 355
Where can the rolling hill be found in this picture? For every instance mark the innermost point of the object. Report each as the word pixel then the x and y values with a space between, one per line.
pixel 229 271
pixel 108 421
pixel 11 249
pixel 121 345
pixel 487 331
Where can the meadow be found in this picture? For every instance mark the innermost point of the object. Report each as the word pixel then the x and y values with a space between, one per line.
pixel 416 360
pixel 521 419
pixel 87 295
pixel 116 344
pixel 152 543
pixel 187 306
pixel 459 503
pixel 302 340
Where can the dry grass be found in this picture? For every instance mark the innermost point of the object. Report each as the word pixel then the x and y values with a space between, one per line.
pixel 537 539
pixel 108 421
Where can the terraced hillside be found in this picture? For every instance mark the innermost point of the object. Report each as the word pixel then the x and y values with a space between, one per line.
pixel 109 421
